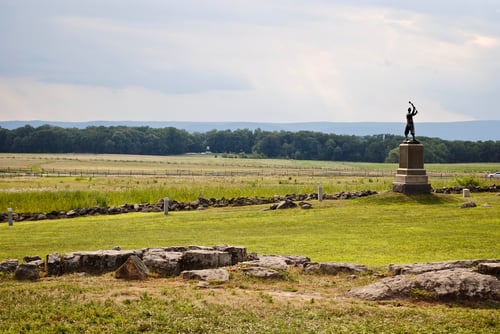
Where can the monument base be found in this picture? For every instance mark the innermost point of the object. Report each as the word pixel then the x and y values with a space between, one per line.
pixel 411 189
pixel 411 177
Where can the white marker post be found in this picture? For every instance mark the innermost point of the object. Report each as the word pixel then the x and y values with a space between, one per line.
pixel 320 192
pixel 165 205
pixel 9 210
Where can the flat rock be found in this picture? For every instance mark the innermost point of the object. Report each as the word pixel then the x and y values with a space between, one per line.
pixel 419 268
pixel 9 266
pixel 219 274
pixel 449 284
pixel 279 262
pixel 334 268
pixel 261 272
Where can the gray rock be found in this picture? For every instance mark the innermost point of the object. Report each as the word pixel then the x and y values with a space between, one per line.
pixel 196 259
pixel 27 271
pixel 28 259
pixel 238 253
pixel 274 262
pixel 449 284
pixel 53 264
pixel 219 275
pixel 305 205
pixel 419 268
pixel 332 268
pixel 286 204
pixel 468 205
pixel 279 262
pixel 9 266
pixel 72 213
pixel 165 263
pixel 96 262
pixel 203 285
pixel 261 272
pixel 132 269
pixel 489 268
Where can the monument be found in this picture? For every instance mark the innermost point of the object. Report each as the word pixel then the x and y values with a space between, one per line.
pixel 411 177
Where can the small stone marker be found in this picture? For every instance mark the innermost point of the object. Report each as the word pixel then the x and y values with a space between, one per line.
pixel 9 210
pixel 320 192
pixel 466 192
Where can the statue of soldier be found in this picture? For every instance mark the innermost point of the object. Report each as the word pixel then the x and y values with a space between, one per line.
pixel 410 128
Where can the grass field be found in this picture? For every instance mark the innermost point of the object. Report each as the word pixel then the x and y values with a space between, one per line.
pixel 376 230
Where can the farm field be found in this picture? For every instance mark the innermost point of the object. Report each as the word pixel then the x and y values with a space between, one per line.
pixel 375 230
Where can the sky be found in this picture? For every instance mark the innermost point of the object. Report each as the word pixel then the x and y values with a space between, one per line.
pixel 249 61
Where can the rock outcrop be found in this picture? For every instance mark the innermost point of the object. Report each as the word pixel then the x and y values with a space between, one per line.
pixel 448 284
pixel 453 280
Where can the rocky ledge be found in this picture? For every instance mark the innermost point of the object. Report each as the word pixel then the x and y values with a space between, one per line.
pixel 470 280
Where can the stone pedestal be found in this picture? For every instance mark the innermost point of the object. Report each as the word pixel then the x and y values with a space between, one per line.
pixel 411 177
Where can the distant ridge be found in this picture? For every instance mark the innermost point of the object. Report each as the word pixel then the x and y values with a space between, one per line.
pixel 467 131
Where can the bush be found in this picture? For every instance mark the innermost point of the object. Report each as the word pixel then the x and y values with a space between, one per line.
pixel 467 181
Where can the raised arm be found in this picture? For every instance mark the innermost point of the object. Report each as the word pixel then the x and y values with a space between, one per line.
pixel 414 111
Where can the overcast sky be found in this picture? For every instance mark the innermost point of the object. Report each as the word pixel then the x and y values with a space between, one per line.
pixel 253 60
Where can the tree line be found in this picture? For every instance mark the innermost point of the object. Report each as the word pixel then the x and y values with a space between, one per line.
pixel 300 145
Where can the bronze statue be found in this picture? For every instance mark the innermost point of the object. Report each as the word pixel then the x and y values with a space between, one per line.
pixel 410 128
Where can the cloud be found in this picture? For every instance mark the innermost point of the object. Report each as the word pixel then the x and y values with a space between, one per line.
pixel 250 61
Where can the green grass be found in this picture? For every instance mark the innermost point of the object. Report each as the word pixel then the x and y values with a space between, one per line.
pixel 105 305
pixel 377 230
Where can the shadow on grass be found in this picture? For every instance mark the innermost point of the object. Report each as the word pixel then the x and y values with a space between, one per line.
pixel 390 197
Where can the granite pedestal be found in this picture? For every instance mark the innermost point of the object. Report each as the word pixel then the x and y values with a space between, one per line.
pixel 411 177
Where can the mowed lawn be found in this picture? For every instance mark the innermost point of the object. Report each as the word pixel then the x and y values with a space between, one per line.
pixel 376 230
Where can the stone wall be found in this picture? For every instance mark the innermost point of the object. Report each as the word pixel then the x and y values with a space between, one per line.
pixel 173 205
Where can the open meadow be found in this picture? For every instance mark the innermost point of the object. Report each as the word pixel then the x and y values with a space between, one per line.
pixel 376 231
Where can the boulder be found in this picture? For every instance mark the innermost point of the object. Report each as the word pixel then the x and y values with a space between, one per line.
pixel 220 275
pixel 448 284
pixel 468 205
pixel 332 268
pixel 196 259
pixel 261 272
pixel 163 262
pixel 27 271
pixel 305 205
pixel 286 204
pixel 53 264
pixel 132 269
pixel 9 266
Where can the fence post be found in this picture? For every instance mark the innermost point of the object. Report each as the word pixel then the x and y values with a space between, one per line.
pixel 320 192
pixel 9 210
pixel 165 205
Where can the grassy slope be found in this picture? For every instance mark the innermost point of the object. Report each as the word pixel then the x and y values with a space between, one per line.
pixel 378 230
